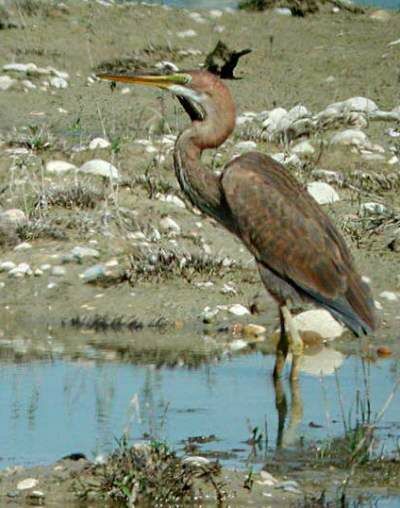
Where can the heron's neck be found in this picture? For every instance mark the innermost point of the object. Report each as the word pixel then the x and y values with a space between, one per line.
pixel 200 184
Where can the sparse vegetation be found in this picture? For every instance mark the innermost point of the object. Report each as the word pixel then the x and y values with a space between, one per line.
pixel 151 474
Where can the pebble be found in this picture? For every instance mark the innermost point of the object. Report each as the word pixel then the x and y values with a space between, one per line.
pixel 20 67
pixel 383 351
pixel 57 82
pixel 60 167
pixel 28 483
pixel 197 17
pixel 37 497
pixel 99 143
pixel 93 273
pixel 238 310
pixel 80 253
pixel 322 192
pixel 289 486
pixel 186 33
pixel 58 271
pixel 246 145
pixel 372 208
pixel 27 83
pixel 353 137
pixel 215 13
pixel 252 330
pixel 303 148
pixel 100 167
pixel 6 266
pixel 319 321
pixel 23 246
pixel 169 225
pixel 196 461
pixel 390 296
pixel 208 314
pixel 14 215
pixel 166 65
pixel 6 82
pixel 380 15
pixel 238 344
pixel 20 270
pixel 267 479
pixel 171 198
pixel 283 11
pixel 228 289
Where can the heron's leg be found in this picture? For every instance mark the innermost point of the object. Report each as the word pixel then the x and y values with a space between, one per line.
pixel 281 407
pixel 296 344
pixel 282 348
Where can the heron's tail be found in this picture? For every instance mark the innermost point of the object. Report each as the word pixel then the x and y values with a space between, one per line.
pixel 356 308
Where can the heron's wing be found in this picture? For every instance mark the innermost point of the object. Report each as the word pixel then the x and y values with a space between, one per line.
pixel 287 232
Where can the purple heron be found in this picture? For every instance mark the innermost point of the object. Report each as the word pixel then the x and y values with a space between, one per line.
pixel 299 252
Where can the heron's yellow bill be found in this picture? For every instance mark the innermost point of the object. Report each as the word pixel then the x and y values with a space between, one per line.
pixel 159 81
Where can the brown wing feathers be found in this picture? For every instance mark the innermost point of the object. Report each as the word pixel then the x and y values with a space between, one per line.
pixel 289 233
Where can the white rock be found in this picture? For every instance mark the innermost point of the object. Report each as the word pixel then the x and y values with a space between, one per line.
pixel 215 13
pixel 372 208
pixel 303 148
pixel 322 192
pixel 353 137
pixel 238 344
pixel 197 17
pixel 389 296
pixel 20 270
pixel 369 156
pixel 6 82
pixel 283 11
pixel 319 321
pixel 380 15
pixel 186 33
pixel 168 224
pixel 14 215
pixel 84 252
pixel 167 65
pixel 394 43
pixel 99 143
pixel 227 289
pixel 58 271
pixel 60 167
pixel 219 29
pixel 6 266
pixel 196 461
pixel 20 67
pixel 238 310
pixel 208 314
pixel 242 120
pixel 27 83
pixel 57 82
pixel 393 160
pixel 23 246
pixel 361 104
pixel 100 167
pixel 28 483
pixel 378 305
pixel 273 119
pixel 171 198
pixel 246 145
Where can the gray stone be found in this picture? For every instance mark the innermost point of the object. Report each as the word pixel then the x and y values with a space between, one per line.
pixel 100 167
pixel 322 192
pixel 93 273
pixel 6 82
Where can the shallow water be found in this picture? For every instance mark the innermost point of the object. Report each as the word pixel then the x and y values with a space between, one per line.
pixel 53 408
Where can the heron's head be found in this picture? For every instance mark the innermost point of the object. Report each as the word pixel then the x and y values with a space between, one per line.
pixel 198 90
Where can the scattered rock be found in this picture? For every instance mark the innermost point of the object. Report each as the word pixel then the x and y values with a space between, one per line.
pixel 28 483
pixel 79 253
pixel 6 82
pixel 380 15
pixel 372 208
pixel 303 148
pixel 209 314
pixel 238 344
pixel 7 266
pixel 186 33
pixel 253 331
pixel 58 271
pixel 289 486
pixel 390 296
pixel 100 167
pixel 283 11
pixel 383 351
pixel 94 273
pixel 169 225
pixel 60 167
pixel 23 246
pixel 323 193
pixel 352 137
pixel 20 270
pixel 267 479
pixel 14 215
pixel 36 497
pixel 171 198
pixel 57 82
pixel 99 143
pixel 246 145
pixel 196 461
pixel 238 310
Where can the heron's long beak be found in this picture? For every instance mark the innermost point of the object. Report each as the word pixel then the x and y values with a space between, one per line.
pixel 160 81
